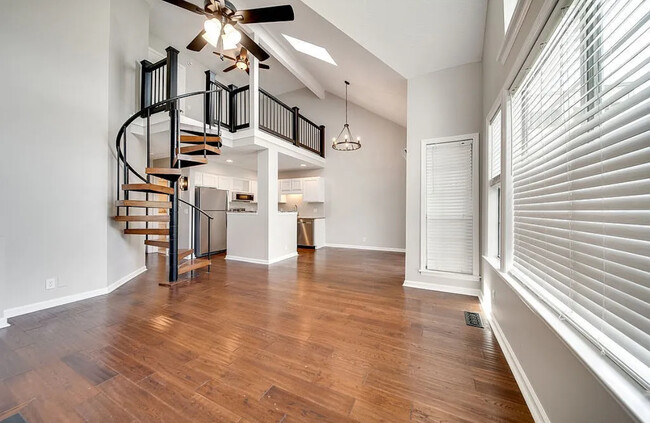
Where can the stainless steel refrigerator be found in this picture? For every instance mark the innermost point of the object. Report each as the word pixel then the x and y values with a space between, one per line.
pixel 215 203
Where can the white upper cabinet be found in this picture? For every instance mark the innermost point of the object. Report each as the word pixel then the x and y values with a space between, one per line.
pixel 313 190
pixel 210 180
pixel 285 186
pixel 240 185
pixel 225 183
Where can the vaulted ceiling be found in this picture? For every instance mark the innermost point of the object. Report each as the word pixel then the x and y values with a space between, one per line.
pixel 376 45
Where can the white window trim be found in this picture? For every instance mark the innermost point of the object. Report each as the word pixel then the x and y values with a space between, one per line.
pixel 632 397
pixel 474 138
pixel 516 21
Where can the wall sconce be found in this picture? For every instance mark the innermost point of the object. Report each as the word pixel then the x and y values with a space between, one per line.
pixel 183 183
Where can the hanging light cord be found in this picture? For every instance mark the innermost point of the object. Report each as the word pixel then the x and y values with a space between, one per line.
pixel 346 101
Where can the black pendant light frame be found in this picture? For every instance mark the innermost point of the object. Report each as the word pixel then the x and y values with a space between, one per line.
pixel 345 141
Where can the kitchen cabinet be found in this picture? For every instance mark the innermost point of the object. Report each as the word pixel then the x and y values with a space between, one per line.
pixel 240 185
pixel 285 186
pixel 296 186
pixel 224 182
pixel 209 180
pixel 313 190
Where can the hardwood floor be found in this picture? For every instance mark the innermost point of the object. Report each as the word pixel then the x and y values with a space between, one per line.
pixel 329 337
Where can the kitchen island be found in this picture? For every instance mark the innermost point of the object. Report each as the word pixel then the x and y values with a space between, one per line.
pixel 247 239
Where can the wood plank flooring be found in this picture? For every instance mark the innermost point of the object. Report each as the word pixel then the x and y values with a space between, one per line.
pixel 331 336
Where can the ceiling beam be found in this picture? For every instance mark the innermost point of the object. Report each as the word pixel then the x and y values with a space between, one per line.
pixel 286 59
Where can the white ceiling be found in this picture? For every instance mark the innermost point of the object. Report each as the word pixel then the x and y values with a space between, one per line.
pixel 413 37
pixel 375 86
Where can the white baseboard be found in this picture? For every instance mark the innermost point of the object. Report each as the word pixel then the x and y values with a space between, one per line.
pixel 367 247
pixel 112 287
pixel 442 288
pixel 260 261
pixel 4 323
pixel 55 302
pixel 532 401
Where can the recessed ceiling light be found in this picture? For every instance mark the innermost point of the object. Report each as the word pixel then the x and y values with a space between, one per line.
pixel 303 165
pixel 310 49
pixel 228 160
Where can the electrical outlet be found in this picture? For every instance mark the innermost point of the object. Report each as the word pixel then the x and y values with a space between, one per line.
pixel 50 283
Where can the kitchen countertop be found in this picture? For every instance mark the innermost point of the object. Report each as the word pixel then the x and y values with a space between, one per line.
pixel 311 217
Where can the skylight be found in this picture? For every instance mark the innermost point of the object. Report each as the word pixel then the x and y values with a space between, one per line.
pixel 310 49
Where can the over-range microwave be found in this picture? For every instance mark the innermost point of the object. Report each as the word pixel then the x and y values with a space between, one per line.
pixel 242 196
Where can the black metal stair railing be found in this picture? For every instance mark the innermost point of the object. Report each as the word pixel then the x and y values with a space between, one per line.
pixel 232 105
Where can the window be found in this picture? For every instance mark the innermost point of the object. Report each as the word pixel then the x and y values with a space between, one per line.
pixel 581 177
pixel 494 194
pixel 449 203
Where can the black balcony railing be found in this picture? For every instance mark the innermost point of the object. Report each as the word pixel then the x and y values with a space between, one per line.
pixel 232 104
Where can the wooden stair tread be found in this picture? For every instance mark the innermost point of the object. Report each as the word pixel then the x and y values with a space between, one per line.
pixel 184 253
pixel 194 264
pixel 199 149
pixel 198 139
pixel 146 231
pixel 143 203
pixel 169 173
pixel 143 218
pixel 157 189
pixel 187 160
pixel 156 243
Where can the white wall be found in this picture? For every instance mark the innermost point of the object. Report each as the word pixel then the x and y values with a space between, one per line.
pixel 364 189
pixel 566 390
pixel 54 137
pixel 128 44
pixel 56 148
pixel 440 104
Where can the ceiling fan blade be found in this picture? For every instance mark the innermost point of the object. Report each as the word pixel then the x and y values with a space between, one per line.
pixel 253 48
pixel 263 66
pixel 198 42
pixel 265 14
pixel 187 6
pixel 225 56
pixel 229 68
pixel 248 71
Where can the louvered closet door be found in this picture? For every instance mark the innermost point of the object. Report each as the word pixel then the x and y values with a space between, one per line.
pixel 581 176
pixel 449 207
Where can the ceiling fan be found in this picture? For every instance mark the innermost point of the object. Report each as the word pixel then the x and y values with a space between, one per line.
pixel 222 18
pixel 241 61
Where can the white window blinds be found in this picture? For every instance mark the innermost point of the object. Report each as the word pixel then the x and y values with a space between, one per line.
pixel 449 207
pixel 581 176
pixel 495 145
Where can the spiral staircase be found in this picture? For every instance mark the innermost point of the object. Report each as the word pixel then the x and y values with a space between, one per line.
pixel 162 183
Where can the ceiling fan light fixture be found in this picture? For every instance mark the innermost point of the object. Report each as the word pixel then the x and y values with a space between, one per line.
pixel 241 65
pixel 213 27
pixel 231 37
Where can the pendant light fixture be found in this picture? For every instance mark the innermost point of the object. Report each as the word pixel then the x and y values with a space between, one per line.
pixel 345 141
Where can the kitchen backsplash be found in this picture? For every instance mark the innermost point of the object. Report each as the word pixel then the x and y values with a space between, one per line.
pixel 304 209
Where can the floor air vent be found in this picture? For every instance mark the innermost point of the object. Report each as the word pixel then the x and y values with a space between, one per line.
pixel 473 319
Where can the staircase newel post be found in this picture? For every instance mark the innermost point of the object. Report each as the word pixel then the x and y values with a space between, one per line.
pixel 322 141
pixel 296 126
pixel 145 84
pixel 210 79
pixel 233 107
pixel 174 118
